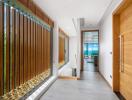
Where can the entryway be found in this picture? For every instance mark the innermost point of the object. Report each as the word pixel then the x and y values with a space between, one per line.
pixel 90 50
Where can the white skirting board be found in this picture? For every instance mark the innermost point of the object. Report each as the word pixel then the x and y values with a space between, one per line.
pixel 42 89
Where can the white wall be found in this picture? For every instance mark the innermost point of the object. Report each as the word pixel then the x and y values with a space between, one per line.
pixel 106 38
pixel 55 49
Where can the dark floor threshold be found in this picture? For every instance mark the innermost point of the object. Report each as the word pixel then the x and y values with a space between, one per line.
pixel 120 96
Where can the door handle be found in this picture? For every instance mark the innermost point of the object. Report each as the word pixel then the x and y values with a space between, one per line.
pixel 121 55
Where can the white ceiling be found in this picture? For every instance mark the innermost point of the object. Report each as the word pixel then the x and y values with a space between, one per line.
pixel 64 11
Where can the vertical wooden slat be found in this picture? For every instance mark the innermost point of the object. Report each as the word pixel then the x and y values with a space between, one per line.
pixel 17 49
pixel 32 37
pixel 42 49
pixel 29 48
pixel 46 50
pixel 39 49
pixel 38 44
pixel 34 46
pixel 49 50
pixel 1 48
pixel 7 49
pixel 25 48
pixel 36 55
pixel 21 49
pixel 12 74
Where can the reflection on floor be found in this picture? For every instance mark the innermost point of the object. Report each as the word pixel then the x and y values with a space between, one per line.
pixel 89 66
pixel 91 87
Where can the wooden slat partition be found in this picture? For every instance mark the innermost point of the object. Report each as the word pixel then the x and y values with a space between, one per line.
pixel 1 47
pixel 24 48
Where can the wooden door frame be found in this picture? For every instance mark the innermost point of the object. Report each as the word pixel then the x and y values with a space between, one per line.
pixel 82 63
pixel 116 44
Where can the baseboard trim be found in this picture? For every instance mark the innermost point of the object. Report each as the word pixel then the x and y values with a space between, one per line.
pixel 120 96
pixel 68 78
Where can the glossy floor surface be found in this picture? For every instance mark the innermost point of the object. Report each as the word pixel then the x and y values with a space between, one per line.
pixel 89 66
pixel 91 87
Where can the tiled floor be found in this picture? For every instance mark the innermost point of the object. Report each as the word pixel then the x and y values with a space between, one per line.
pixel 91 87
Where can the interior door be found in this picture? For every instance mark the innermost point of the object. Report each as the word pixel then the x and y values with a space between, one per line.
pixel 126 52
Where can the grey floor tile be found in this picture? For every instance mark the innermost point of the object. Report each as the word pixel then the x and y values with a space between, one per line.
pixel 91 87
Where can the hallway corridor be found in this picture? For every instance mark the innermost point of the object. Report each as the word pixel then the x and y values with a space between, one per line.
pixel 91 87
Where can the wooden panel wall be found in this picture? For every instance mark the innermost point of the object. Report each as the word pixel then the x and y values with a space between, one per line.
pixel 24 49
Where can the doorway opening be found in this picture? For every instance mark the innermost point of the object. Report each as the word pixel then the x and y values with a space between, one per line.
pixel 90 50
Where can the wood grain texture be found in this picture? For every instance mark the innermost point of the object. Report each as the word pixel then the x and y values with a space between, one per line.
pixel 40 49
pixel 44 49
pixel 25 49
pixel 36 31
pixel 34 48
pixel 32 54
pixel 1 48
pixel 29 48
pixel 7 49
pixel 21 49
pixel 116 53
pixel 12 42
pixel 126 31
pixel 122 25
pixel 17 49
pixel 29 4
pixel 49 54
